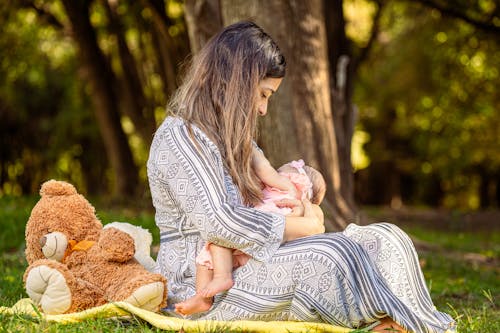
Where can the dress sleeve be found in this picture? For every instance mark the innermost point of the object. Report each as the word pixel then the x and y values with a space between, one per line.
pixel 256 233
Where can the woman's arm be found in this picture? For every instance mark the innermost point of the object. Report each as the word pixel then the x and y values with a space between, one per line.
pixel 192 178
pixel 311 223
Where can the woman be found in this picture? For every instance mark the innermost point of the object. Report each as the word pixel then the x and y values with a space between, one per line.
pixel 203 189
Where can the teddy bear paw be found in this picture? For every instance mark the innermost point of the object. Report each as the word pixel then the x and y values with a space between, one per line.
pixel 48 289
pixel 148 297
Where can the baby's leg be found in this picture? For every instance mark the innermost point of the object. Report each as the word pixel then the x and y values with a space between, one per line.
pixel 197 303
pixel 222 280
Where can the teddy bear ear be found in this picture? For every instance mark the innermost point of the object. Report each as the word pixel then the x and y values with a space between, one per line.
pixel 56 187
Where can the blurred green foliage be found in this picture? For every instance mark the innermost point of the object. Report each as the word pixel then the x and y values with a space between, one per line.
pixel 47 128
pixel 429 101
pixel 427 131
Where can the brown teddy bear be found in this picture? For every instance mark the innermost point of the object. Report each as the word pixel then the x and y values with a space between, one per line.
pixel 75 264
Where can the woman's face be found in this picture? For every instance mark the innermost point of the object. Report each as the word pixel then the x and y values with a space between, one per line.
pixel 267 87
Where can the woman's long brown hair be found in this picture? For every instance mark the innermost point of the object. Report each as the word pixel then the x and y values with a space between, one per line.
pixel 219 95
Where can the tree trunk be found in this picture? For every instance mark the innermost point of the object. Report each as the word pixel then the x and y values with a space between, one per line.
pixel 134 102
pixel 497 191
pixel 169 52
pixel 300 123
pixel 203 19
pixel 98 73
pixel 341 77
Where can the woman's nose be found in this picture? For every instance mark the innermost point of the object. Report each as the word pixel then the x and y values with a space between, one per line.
pixel 262 110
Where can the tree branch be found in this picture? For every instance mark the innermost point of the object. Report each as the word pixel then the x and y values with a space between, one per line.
pixel 168 50
pixel 373 37
pixel 43 14
pixel 135 104
pixel 488 27
pixel 160 18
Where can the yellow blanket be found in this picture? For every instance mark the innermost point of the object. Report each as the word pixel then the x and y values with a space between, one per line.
pixel 122 309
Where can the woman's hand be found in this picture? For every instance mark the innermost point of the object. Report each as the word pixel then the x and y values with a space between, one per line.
pixel 311 223
pixel 314 213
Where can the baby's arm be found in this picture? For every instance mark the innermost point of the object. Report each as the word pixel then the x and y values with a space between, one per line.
pixel 268 175
pixel 298 209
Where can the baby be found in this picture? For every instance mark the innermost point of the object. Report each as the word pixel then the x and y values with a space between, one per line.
pixel 308 183
pixel 214 264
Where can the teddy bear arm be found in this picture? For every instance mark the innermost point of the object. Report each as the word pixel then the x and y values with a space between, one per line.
pixel 116 245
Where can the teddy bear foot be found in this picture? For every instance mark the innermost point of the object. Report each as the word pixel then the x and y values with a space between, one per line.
pixel 47 287
pixel 148 297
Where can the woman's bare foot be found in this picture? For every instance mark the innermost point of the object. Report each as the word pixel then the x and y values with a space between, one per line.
pixel 387 325
pixel 194 304
pixel 218 284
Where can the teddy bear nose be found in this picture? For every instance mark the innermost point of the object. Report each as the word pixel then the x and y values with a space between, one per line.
pixel 43 240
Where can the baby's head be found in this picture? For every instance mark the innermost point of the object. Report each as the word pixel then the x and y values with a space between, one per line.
pixel 316 178
pixel 319 184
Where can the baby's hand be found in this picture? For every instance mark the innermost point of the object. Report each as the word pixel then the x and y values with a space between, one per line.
pixel 294 204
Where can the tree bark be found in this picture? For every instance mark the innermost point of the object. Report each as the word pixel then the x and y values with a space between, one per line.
pixel 300 122
pixel 169 52
pixel 98 73
pixel 344 114
pixel 497 190
pixel 203 19
pixel 134 102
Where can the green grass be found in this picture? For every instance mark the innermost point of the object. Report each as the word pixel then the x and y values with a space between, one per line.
pixel 461 269
pixel 14 213
pixel 28 324
pixel 483 242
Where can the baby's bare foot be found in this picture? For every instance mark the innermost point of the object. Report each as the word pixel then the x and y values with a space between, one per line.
pixel 387 325
pixel 192 305
pixel 217 285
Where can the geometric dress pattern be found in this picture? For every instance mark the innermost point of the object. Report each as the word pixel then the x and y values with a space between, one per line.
pixel 350 278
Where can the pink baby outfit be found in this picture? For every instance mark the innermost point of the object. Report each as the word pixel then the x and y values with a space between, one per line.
pixel 303 185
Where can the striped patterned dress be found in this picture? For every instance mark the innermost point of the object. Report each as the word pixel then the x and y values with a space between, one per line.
pixel 351 278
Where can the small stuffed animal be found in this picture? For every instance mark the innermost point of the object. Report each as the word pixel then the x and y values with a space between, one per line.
pixel 75 264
